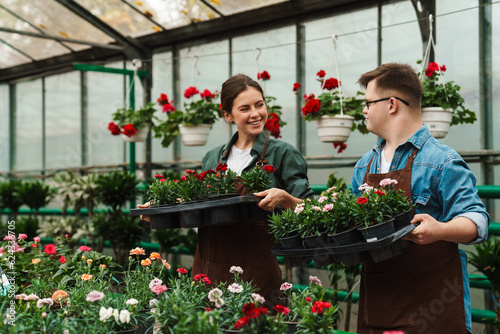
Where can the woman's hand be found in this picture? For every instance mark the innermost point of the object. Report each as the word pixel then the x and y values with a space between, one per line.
pixel 144 206
pixel 275 197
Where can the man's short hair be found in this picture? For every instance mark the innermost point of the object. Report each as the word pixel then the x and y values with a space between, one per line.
pixel 397 79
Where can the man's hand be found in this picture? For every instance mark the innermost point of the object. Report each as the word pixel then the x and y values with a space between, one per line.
pixel 144 206
pixel 275 197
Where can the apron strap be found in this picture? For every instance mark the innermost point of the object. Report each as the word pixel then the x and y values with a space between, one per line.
pixel 261 162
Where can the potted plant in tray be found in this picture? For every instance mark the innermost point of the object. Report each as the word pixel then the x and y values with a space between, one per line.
pixel 442 105
pixel 132 124
pixel 194 123
pixel 335 115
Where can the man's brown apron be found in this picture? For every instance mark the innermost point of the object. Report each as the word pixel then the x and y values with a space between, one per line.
pixel 245 245
pixel 419 291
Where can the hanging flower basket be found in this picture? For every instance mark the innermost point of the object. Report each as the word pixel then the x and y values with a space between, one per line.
pixel 334 128
pixel 139 137
pixel 438 120
pixel 194 135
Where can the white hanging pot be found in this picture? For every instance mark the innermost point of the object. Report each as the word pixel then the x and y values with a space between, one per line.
pixel 334 128
pixel 194 135
pixel 438 120
pixel 139 137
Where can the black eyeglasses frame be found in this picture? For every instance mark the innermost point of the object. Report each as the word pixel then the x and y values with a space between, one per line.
pixel 367 103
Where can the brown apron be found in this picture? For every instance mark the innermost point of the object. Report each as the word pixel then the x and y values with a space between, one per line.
pixel 419 291
pixel 245 245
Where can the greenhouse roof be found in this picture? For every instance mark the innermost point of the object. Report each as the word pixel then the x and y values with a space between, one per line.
pixel 46 35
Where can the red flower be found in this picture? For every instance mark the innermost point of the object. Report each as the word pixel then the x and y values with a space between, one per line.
pixel 167 107
pixel 312 106
pixel 264 75
pixel 208 309
pixel 443 68
pixel 308 97
pixel 190 171
pixel 282 309
pixel 159 176
pixel 206 280
pixel 331 84
pixel 321 74
pixel 50 249
pixel 340 146
pixel 163 99
pixel 273 125
pixel 308 299
pixel 129 130
pixel 184 178
pixel 198 277
pixel 242 322
pixel 362 200
pixel 206 94
pixel 221 167
pixel 296 86
pixel 190 91
pixel 432 68
pixel 380 193
pixel 84 248
pixel 115 130
pixel 269 168
pixel 182 271
pixel 319 306
pixel 62 259
pixel 163 180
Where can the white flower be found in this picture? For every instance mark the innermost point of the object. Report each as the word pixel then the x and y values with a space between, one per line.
pixel 316 208
pixel 286 286
pixel 219 303
pixel 234 269
pixel 94 296
pixel 124 316
pixel 116 314
pixel 154 282
pixel 44 301
pixel 105 313
pixel 235 288
pixel 365 187
pixel 132 301
pixel 152 302
pixel 22 296
pixel 258 298
pixel 314 279
pixel 298 209
pixel 32 297
pixel 214 294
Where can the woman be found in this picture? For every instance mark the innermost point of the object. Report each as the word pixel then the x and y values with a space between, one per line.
pixel 249 245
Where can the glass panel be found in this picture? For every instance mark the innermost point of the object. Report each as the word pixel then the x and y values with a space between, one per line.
pixel 63 121
pixel 56 20
pixel 228 7
pixel 171 14
pixel 401 41
pixel 162 83
pixel 496 83
pixel 357 53
pixel 139 103
pixel 4 128
pixel 11 57
pixel 36 48
pixel 211 71
pixel 28 150
pixel 277 57
pixel 105 95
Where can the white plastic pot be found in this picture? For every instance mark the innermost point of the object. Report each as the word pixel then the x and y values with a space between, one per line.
pixel 139 137
pixel 334 128
pixel 194 135
pixel 438 120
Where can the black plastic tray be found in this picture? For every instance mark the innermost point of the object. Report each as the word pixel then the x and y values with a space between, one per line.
pixel 233 210
pixel 379 250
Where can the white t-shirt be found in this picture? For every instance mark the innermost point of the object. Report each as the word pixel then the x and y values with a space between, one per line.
pixel 384 165
pixel 238 159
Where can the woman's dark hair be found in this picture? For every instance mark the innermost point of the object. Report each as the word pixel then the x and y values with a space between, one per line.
pixel 233 87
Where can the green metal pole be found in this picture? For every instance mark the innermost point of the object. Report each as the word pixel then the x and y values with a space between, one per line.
pixel 131 103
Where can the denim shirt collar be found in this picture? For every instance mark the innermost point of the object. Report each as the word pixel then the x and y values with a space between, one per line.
pixel 417 140
pixel 257 148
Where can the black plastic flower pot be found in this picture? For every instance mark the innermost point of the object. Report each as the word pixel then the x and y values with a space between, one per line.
pixel 377 232
pixel 314 241
pixel 292 242
pixel 348 237
pixel 402 220
pixel 216 197
pixel 321 257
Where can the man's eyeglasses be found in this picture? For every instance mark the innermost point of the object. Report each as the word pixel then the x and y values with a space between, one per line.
pixel 367 103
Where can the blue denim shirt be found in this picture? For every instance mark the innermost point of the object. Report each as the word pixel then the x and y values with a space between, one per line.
pixel 442 185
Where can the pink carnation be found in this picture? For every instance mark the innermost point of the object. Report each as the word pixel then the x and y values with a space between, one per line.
pixel 22 236
pixel 386 182
pixel 314 279
pixel 286 286
pixel 327 207
pixel 36 239
pixel 322 199
pixel 84 248
pixel 159 289
pixel 154 282
pixel 94 296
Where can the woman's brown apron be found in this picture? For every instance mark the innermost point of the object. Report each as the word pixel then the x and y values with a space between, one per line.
pixel 419 291
pixel 245 245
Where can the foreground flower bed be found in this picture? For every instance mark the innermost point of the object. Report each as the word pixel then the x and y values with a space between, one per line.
pixel 55 289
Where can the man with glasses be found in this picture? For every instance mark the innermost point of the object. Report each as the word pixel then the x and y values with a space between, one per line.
pixel 426 288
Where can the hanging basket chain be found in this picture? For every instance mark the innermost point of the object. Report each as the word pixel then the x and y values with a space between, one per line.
pixel 334 59
pixel 195 68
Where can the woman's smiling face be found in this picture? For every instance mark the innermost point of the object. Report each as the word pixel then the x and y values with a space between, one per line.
pixel 249 112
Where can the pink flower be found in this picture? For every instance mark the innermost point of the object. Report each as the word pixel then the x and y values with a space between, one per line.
pixel 235 269
pixel 2 250
pixel 154 282
pixel 258 298
pixel 159 289
pixel 365 187
pixel 299 209
pixel 37 239
pixel 286 286
pixel 322 199
pixel 84 248
pixel 316 208
pixel 22 236
pixel 327 207
pixel 314 279
pixel 9 237
pixel 235 288
pixel 94 296
pixel 16 248
pixel 386 182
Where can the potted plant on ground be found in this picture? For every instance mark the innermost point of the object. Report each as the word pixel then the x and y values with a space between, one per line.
pixel 194 123
pixel 335 115
pixel 442 105
pixel 132 124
